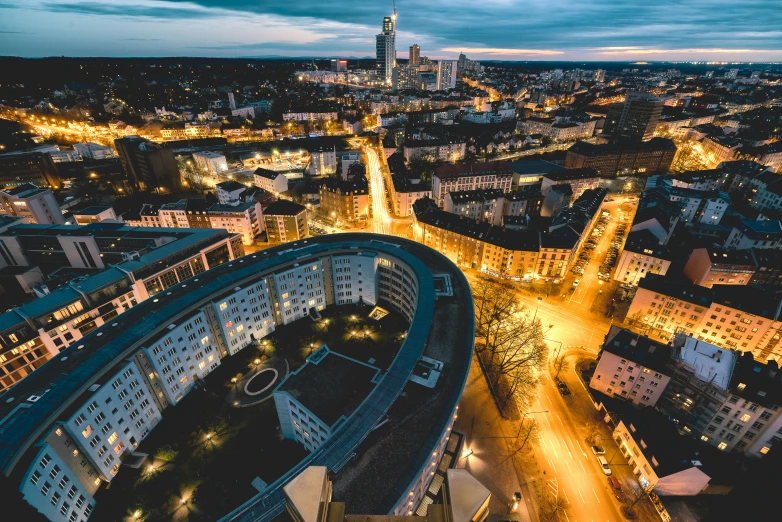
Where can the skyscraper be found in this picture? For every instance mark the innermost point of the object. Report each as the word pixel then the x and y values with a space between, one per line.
pixel 415 54
pixel 386 49
pixel 635 118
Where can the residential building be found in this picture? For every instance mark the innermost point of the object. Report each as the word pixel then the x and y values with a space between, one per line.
pixel 35 204
pixel 345 200
pixel 470 176
pixel 95 214
pixel 244 219
pixel 315 115
pixel 664 461
pixel 635 118
pixel 33 167
pixel 717 149
pixel 323 162
pixel 621 159
pixel 285 221
pixel 270 180
pixel 148 165
pixel 415 54
pixel 60 442
pixel 578 179
pixel 475 244
pixel 718 266
pixel 731 317
pixel 446 75
pixel 481 204
pixel 755 234
pixel 631 367
pixel 308 498
pixel 439 150
pixel 61 483
pixel 94 151
pixel 309 409
pixel 135 264
pixel 642 254
pixel 406 191
pixel 117 413
pixel 230 192
pixel 210 162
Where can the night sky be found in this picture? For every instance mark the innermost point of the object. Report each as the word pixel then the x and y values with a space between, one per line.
pixel 733 30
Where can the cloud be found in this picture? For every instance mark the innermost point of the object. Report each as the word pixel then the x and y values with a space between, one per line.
pixel 501 51
pixel 493 28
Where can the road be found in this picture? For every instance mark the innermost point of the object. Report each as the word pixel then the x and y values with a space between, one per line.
pixel 380 217
pixel 571 467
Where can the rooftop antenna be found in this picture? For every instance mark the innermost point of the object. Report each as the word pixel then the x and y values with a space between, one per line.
pixel 394 12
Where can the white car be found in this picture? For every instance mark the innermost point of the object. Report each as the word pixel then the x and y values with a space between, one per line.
pixel 604 465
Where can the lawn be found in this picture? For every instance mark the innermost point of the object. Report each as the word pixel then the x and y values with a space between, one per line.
pixel 204 454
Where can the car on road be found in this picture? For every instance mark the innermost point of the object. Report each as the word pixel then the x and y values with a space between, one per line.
pixel 575 283
pixel 563 389
pixel 616 488
pixel 604 465
pixel 598 450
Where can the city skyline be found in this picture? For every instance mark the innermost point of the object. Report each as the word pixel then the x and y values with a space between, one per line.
pixel 599 30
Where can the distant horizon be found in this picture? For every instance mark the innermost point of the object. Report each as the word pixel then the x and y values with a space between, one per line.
pixel 371 58
pixel 500 30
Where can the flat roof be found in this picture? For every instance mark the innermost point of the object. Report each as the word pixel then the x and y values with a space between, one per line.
pixel 330 385
pixel 708 362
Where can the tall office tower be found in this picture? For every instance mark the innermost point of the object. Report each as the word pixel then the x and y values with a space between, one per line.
pixel 386 49
pixel 446 74
pixel 415 54
pixel 635 118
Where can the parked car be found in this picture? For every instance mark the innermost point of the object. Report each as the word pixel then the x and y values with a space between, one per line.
pixel 598 450
pixel 616 488
pixel 604 465
pixel 563 389
pixel 575 283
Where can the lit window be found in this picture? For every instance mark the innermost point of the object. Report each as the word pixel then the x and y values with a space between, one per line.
pixel 722 445
pixel 764 450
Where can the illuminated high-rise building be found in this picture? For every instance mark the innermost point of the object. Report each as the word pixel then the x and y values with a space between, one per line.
pixel 415 54
pixel 386 49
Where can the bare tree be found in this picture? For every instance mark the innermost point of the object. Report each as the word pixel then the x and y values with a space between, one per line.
pixel 634 495
pixel 191 175
pixel 529 433
pixel 559 364
pixel 509 342
pixel 550 506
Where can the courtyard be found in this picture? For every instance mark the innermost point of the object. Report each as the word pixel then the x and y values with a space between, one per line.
pixel 206 452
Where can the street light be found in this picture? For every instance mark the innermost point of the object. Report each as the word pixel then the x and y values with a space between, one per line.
pixel 557 354
pixel 522 419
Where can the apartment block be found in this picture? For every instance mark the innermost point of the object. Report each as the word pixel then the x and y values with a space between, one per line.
pixel 285 221
pixel 61 482
pixel 470 176
pixel 310 409
pixel 115 416
pixel 718 266
pixel 184 354
pixel 731 317
pixel 345 200
pixel 631 367
pixel 30 202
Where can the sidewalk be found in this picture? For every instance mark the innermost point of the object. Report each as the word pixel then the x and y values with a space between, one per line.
pixel 488 451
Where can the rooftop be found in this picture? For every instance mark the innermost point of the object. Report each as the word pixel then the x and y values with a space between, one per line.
pixel 283 207
pixel 330 385
pixel 571 174
pixel 472 169
pixel 708 362
pixel 637 348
